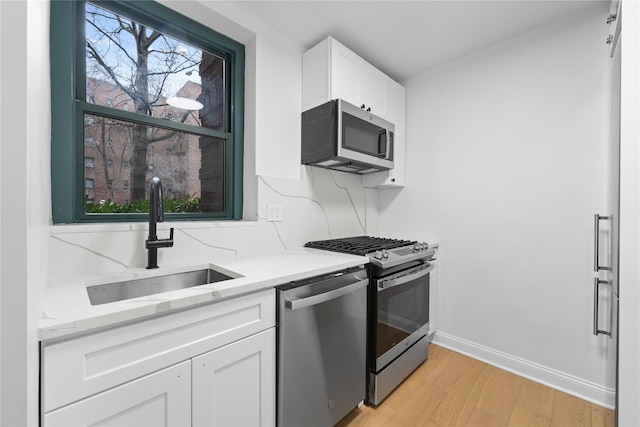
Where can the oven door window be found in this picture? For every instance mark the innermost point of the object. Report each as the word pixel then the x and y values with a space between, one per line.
pixel 402 310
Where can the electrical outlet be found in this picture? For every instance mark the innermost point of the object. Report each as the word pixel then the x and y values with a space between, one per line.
pixel 274 212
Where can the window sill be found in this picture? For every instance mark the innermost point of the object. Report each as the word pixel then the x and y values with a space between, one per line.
pixel 142 226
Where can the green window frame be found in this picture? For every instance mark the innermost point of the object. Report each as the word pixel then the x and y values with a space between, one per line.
pixel 69 105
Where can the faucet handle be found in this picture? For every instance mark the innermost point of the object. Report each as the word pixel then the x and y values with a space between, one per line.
pixel 161 243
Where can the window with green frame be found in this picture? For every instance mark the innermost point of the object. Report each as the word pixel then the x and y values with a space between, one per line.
pixel 140 91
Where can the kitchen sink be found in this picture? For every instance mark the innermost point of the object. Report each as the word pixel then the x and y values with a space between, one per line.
pixel 127 289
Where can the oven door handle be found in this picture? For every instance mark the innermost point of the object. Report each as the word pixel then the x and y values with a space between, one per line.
pixel 298 303
pixel 401 280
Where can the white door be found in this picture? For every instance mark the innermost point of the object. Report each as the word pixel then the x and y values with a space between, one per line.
pixel 235 385
pixel 159 399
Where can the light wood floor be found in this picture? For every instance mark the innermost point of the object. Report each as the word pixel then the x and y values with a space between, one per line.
pixel 451 389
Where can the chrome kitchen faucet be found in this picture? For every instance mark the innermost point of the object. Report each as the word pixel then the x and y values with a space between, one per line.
pixel 156 207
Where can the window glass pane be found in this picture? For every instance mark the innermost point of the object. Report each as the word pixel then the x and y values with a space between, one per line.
pixel 135 68
pixel 191 168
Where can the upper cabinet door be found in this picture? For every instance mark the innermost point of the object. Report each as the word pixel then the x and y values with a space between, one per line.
pixel 344 74
pixel 373 90
pixel 331 71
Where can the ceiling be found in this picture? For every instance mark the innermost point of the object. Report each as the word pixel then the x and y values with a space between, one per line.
pixel 402 38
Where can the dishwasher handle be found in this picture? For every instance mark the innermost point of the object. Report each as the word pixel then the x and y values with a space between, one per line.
pixel 298 303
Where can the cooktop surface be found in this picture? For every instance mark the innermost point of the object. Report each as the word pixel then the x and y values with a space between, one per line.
pixel 359 245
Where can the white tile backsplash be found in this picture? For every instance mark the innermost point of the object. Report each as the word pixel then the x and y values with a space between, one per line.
pixel 322 204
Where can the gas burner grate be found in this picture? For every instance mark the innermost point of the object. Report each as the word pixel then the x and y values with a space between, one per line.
pixel 360 245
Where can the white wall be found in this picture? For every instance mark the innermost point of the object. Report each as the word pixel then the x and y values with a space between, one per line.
pixel 505 168
pixel 25 209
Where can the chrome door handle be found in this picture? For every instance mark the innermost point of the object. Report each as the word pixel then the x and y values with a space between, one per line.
pixel 298 303
pixel 596 244
pixel 388 153
pixel 596 299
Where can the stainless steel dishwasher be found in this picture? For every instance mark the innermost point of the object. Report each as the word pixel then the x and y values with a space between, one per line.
pixel 322 334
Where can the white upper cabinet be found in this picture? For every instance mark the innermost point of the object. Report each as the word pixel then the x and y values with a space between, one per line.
pixel 331 71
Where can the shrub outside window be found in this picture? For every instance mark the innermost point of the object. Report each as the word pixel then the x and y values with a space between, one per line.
pixel 145 103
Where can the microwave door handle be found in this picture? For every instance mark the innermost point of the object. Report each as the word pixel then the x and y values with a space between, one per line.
pixel 386 142
pixel 383 144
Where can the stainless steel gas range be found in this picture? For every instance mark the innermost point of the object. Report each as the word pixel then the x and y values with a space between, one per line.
pixel 398 306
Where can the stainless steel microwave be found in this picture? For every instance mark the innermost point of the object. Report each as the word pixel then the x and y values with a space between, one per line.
pixel 341 136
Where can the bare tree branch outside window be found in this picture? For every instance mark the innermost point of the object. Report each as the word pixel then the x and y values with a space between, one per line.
pixel 132 67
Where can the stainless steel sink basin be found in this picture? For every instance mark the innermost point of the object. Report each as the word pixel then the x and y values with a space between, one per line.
pixel 127 289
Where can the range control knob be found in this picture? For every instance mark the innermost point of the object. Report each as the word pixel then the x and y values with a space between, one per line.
pixel 377 255
pixel 385 254
pixel 417 247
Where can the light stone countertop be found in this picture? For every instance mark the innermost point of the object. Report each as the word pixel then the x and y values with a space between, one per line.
pixel 67 310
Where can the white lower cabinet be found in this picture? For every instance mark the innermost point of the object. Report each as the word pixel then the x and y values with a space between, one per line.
pixel 213 365
pixel 235 385
pixel 159 399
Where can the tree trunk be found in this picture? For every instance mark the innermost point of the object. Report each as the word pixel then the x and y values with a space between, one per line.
pixel 102 149
pixel 140 139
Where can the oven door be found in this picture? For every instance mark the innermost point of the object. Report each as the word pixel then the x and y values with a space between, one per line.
pixel 400 313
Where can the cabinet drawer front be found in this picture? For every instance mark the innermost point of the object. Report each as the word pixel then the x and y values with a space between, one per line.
pixel 84 366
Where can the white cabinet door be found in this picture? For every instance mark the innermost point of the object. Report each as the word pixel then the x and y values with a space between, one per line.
pixel 331 70
pixel 235 385
pixel 344 75
pixel 355 80
pixel 373 89
pixel 159 399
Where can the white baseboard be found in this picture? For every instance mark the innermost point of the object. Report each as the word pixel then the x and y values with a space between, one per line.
pixel 566 383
